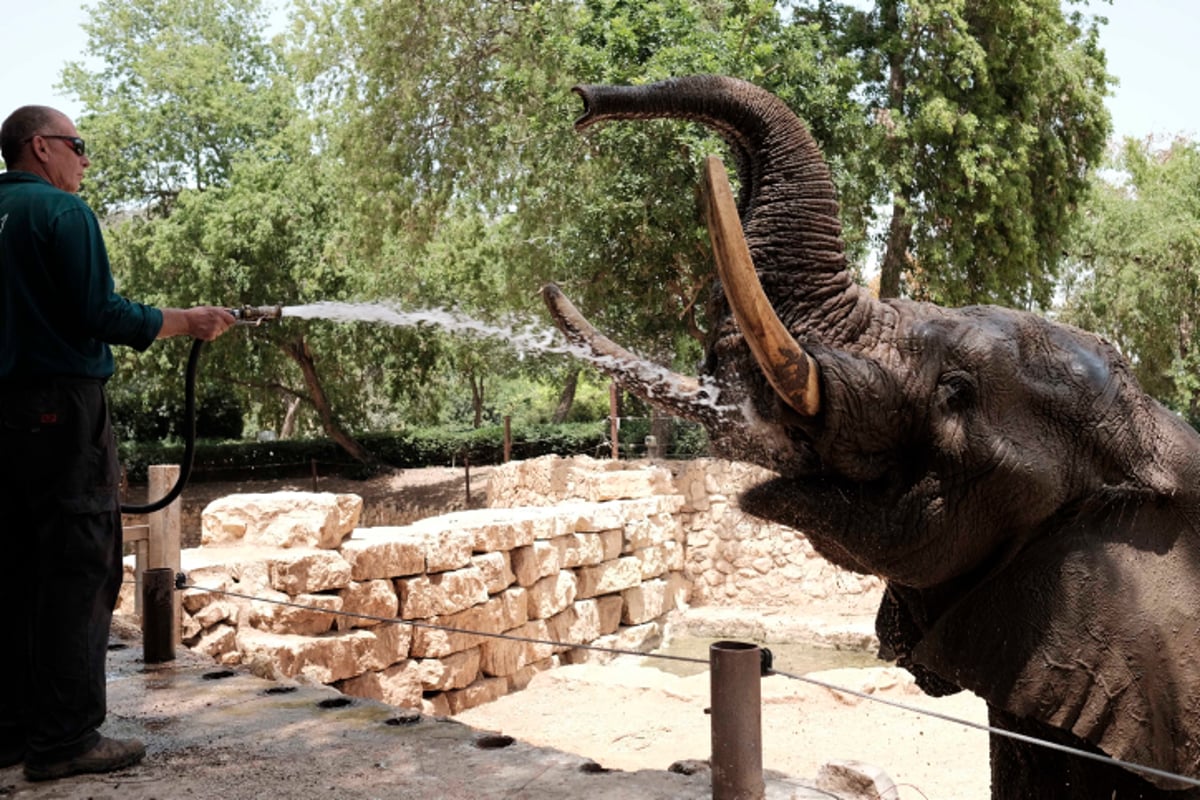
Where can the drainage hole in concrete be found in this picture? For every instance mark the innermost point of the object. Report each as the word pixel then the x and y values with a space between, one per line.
pixel 218 675
pixel 280 690
pixel 592 768
pixel 117 646
pixel 335 702
pixel 404 718
pixel 493 741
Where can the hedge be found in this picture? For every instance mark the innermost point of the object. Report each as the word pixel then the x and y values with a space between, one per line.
pixel 423 447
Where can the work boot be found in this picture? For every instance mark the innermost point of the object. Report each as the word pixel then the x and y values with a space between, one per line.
pixel 106 756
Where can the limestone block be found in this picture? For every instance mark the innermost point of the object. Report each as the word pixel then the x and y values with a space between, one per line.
pixel 435 706
pixel 648 531
pixel 495 529
pixel 305 572
pixel 534 562
pixel 552 594
pixel 613 542
pixel 425 596
pixel 610 607
pixel 580 549
pixel 189 630
pixel 386 552
pixel 215 612
pixel 484 690
pixel 217 641
pixel 375 600
pixel 513 606
pixel 497 570
pixel 579 624
pixel 319 659
pixel 625 484
pixel 311 620
pixel 855 780
pixel 654 560
pixel 611 576
pixel 281 519
pixel 593 517
pixel 500 657
pixel 501 613
pixel 450 672
pixel 679 590
pixel 520 679
pixel 644 602
pixel 398 685
pixel 447 546
pixel 391 645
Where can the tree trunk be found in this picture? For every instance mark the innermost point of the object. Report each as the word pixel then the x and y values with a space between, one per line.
pixel 567 398
pixel 300 352
pixel 288 429
pixel 477 397
pixel 895 256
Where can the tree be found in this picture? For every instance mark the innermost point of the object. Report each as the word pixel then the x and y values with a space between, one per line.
pixel 988 116
pixel 1135 260
pixel 457 117
pixel 184 86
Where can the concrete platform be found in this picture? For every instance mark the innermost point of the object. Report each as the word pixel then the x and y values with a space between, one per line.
pixel 213 732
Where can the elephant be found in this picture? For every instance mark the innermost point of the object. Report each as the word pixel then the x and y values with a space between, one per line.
pixel 1033 513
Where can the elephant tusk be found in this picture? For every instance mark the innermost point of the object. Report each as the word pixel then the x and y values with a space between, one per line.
pixel 790 370
pixel 679 394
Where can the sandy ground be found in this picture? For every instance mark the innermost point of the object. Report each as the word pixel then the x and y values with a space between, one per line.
pixel 630 715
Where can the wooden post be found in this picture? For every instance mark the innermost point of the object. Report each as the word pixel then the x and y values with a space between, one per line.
pixel 507 438
pixel 165 527
pixel 614 420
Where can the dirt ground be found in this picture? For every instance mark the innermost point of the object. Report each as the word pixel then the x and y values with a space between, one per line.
pixel 630 714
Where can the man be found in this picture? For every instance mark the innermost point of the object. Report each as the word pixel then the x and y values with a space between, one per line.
pixel 60 524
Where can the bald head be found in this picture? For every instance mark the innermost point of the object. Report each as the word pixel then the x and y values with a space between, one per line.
pixel 20 127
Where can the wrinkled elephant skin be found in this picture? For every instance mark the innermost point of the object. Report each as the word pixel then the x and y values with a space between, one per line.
pixel 1035 514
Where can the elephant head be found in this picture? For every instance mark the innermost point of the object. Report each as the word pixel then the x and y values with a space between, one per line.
pixel 1035 514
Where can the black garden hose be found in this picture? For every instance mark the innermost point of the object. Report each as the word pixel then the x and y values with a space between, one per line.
pixel 189 446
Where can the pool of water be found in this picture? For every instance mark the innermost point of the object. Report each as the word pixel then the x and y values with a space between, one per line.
pixel 795 657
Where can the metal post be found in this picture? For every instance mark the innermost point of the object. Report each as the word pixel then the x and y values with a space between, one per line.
pixel 158 615
pixel 735 671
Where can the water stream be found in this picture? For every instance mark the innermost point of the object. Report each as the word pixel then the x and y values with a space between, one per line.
pixel 522 336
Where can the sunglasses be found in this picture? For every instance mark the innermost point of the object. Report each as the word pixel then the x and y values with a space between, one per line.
pixel 75 142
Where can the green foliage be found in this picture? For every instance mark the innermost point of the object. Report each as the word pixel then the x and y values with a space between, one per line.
pixel 184 86
pixel 1135 261
pixel 988 115
pixel 419 447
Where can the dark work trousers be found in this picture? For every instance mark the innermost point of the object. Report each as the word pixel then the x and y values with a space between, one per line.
pixel 60 544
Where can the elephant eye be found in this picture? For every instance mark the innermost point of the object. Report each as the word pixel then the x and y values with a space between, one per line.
pixel 956 390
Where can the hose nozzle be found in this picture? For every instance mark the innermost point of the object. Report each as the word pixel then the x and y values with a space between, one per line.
pixel 256 315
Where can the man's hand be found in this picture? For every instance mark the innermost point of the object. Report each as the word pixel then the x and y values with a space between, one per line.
pixel 201 322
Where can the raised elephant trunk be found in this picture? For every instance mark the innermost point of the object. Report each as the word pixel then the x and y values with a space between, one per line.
pixel 787 201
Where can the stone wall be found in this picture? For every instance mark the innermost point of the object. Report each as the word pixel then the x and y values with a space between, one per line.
pixel 731 558
pixel 572 550
pixel 603 572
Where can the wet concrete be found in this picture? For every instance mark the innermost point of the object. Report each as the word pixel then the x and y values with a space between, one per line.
pixel 216 732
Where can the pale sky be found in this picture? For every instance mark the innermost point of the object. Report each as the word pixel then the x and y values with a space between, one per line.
pixel 1152 48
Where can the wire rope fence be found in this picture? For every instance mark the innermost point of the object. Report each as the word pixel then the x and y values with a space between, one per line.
pixel 181 584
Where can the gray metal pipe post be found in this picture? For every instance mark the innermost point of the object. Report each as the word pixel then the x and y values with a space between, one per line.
pixel 735 671
pixel 158 615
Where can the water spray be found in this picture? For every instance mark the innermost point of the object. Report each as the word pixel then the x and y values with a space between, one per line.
pixel 246 315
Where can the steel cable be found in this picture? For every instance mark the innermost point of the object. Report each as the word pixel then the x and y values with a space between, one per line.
pixel 1183 779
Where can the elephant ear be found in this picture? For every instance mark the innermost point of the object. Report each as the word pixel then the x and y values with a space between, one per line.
pixel 1093 628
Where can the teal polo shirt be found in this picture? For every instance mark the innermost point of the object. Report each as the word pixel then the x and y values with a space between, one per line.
pixel 58 309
